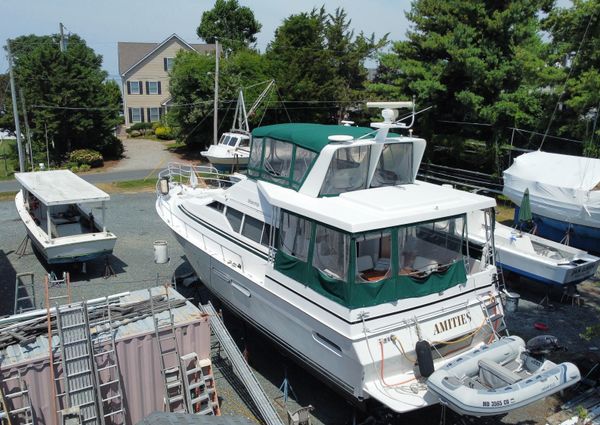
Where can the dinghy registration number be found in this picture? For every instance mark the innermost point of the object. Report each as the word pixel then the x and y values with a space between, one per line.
pixel 496 403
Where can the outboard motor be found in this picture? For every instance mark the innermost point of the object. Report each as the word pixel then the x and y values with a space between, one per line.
pixel 424 358
pixel 542 345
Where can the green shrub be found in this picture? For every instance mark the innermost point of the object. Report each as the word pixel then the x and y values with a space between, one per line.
pixel 141 126
pixel 156 124
pixel 87 156
pixel 164 133
pixel 135 133
pixel 112 148
pixel 74 168
pixel 84 167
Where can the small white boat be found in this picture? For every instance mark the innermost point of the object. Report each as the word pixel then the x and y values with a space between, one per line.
pixel 534 257
pixel 498 378
pixel 57 208
pixel 231 153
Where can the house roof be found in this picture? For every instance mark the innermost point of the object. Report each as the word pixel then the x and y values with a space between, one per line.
pixel 131 53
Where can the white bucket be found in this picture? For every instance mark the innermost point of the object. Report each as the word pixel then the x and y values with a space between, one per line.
pixel 161 252
pixel 512 302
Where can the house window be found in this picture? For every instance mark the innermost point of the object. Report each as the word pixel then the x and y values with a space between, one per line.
pixel 168 63
pixel 135 114
pixel 153 114
pixel 135 87
pixel 153 87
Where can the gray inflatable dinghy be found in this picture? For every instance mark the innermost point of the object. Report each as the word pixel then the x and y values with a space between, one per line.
pixel 498 378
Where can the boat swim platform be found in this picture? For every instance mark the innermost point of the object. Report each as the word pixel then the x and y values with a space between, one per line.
pixel 25 348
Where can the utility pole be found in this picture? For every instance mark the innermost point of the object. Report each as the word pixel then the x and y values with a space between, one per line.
pixel 62 36
pixel 216 106
pixel 13 92
pixel 28 146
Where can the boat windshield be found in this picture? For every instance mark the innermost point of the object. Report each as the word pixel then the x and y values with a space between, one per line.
pixel 348 171
pixel 371 268
pixel 279 162
pixel 394 166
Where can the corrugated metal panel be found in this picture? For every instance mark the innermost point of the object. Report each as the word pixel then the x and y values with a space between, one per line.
pixel 137 353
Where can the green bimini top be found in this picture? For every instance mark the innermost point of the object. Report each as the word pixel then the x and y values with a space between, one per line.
pixel 310 136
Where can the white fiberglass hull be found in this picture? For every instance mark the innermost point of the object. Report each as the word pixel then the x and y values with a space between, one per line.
pixel 69 249
pixel 219 155
pixel 351 350
pixel 538 258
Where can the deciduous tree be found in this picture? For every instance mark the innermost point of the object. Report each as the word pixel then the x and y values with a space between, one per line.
pixel 233 25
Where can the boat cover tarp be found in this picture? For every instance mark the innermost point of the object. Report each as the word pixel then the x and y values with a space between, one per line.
pixel 562 187
pixel 59 187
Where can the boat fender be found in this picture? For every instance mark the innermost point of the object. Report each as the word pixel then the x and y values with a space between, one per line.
pixel 424 358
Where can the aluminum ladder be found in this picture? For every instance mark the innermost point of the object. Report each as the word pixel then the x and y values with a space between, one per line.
pixel 24 293
pixel 496 322
pixel 170 361
pixel 21 412
pixel 241 368
pixel 78 375
pixel 199 384
pixel 106 369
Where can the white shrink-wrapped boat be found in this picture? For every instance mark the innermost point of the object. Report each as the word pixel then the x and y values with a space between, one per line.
pixel 498 378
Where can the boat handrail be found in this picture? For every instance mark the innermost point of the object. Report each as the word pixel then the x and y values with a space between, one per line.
pixel 205 175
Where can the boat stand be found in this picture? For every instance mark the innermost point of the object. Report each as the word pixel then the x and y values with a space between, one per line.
pixel 108 270
pixel 22 248
pixel 286 388
pixel 545 302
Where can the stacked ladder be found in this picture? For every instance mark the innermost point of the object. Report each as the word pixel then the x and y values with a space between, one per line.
pixel 76 359
pixel 494 318
pixel 24 293
pixel 18 397
pixel 106 369
pixel 170 361
pixel 241 368
pixel 199 384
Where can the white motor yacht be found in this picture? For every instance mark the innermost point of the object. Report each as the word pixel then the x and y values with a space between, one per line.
pixel 332 248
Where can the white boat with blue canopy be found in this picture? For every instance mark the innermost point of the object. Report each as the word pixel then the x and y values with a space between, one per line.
pixel 64 216
pixel 332 248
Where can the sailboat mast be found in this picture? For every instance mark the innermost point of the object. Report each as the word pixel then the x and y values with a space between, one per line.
pixel 216 105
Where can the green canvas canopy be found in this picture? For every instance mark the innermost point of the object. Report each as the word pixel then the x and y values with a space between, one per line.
pixel 310 136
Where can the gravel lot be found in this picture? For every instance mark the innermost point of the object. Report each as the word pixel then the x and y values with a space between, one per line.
pixel 132 218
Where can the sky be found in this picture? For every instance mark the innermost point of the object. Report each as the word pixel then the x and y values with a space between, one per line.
pixel 103 23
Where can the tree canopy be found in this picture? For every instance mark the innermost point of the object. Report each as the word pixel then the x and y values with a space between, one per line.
pixel 66 95
pixel 317 59
pixel 233 25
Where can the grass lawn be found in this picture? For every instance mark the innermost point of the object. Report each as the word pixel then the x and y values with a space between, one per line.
pixel 141 185
pixel 7 163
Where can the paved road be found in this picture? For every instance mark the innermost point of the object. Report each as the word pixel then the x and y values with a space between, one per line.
pixel 143 158
pixel 108 177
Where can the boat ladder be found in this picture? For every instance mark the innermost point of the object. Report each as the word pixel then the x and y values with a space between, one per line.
pixel 24 293
pixel 106 368
pixel 76 359
pixel 199 383
pixel 241 368
pixel 170 361
pixel 18 397
pixel 489 306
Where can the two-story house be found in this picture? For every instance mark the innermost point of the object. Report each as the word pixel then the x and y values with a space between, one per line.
pixel 144 69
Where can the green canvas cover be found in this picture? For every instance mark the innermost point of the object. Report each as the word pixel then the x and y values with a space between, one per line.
pixel 354 294
pixel 310 136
